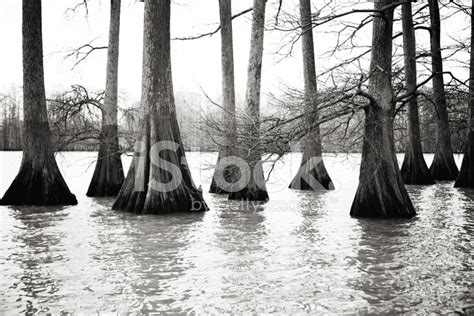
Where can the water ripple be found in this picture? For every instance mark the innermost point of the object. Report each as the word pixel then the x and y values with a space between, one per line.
pixel 299 253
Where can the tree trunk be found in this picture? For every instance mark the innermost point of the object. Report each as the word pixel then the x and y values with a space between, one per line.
pixel 466 175
pixel 312 174
pixel 414 168
pixel 39 181
pixel 381 192
pixel 255 188
pixel 159 180
pixel 108 174
pixel 443 166
pixel 228 97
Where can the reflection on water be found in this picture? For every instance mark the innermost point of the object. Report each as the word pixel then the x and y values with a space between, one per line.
pixel 298 253
pixel 35 245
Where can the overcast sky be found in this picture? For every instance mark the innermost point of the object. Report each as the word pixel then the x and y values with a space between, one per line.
pixel 195 63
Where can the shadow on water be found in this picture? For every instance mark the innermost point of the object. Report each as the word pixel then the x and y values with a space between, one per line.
pixel 31 253
pixel 423 264
pixel 382 263
pixel 152 258
pixel 329 264
pixel 92 258
pixel 224 255
pixel 132 260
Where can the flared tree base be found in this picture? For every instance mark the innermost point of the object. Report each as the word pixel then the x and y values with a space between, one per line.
pixel 465 178
pixel 130 202
pixel 381 192
pixel 141 199
pixel 255 189
pixel 107 179
pixel 158 203
pixel 215 189
pixel 227 176
pixel 387 202
pixel 104 188
pixel 108 173
pixel 416 172
pixel 444 169
pixel 312 179
pixel 250 194
pixel 38 186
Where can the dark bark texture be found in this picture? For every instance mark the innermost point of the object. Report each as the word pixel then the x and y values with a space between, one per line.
pixel 465 178
pixel 39 181
pixel 381 192
pixel 255 190
pixel 312 174
pixel 228 99
pixel 108 174
pixel 159 180
pixel 443 166
pixel 414 168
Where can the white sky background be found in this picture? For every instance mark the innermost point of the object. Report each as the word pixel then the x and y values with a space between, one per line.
pixel 196 63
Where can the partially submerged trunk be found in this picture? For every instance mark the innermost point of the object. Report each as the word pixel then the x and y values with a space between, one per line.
pixel 414 167
pixel 227 173
pixel 381 192
pixel 443 166
pixel 312 174
pixel 159 180
pixel 39 181
pixel 255 188
pixel 108 174
pixel 466 175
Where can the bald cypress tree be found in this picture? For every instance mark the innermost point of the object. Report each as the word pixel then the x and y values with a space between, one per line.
pixel 39 181
pixel 465 178
pixel 414 168
pixel 443 166
pixel 255 188
pixel 381 192
pixel 312 174
pixel 108 174
pixel 159 180
pixel 228 99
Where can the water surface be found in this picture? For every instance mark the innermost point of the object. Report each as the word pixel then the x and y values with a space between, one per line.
pixel 299 253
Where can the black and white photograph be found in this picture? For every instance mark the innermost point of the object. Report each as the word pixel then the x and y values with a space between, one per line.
pixel 237 157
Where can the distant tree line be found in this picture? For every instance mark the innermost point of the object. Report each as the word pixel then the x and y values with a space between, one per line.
pixel 76 122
